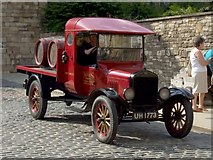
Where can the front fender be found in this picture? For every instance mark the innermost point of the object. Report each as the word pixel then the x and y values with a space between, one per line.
pixel 108 92
pixel 182 92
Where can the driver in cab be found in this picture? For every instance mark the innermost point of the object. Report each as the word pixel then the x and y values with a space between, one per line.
pixel 87 50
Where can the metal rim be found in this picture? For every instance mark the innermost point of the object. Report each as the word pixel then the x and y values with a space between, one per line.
pixel 35 99
pixel 102 119
pixel 178 116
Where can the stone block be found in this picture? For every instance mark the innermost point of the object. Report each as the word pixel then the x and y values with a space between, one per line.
pixel 25 39
pixel 177 83
pixel 3 51
pixel 188 79
pixel 7 67
pixel 5 59
pixel 187 84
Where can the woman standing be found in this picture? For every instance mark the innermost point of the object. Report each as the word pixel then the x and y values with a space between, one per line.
pixel 199 73
pixel 208 55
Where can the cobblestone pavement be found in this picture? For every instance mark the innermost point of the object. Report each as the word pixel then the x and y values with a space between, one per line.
pixel 67 134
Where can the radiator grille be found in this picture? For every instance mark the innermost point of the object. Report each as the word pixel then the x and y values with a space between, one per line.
pixel 145 84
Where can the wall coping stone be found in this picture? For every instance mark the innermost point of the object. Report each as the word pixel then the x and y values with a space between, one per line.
pixel 176 17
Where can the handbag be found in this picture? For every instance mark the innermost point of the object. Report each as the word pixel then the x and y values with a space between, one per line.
pixel 189 69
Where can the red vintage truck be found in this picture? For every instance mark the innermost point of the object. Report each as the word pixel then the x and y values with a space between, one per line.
pixel 115 87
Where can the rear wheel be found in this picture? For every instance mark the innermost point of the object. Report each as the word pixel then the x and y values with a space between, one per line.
pixel 37 104
pixel 104 119
pixel 178 117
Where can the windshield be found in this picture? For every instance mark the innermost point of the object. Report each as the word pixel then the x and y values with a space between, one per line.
pixel 120 47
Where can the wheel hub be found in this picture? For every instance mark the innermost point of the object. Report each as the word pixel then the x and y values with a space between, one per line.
pixel 177 115
pixel 103 118
pixel 35 99
pixel 103 121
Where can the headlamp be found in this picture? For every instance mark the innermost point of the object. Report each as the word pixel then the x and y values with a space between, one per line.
pixel 164 93
pixel 129 94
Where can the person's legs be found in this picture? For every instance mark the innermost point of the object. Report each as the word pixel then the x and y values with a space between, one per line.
pixel 199 86
pixel 211 85
pixel 201 101
pixel 194 102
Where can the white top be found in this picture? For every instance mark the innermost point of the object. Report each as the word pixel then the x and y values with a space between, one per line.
pixel 196 66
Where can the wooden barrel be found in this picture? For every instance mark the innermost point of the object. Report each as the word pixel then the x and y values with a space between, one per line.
pixel 55 47
pixel 41 48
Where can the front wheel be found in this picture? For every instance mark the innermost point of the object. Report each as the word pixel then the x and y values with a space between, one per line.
pixel 104 119
pixel 178 116
pixel 37 104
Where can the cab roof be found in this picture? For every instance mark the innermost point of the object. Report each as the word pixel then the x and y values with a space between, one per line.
pixel 105 25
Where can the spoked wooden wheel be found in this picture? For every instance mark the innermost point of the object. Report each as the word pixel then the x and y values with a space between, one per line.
pixel 37 104
pixel 104 119
pixel 178 116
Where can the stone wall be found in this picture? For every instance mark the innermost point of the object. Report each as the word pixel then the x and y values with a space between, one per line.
pixel 168 50
pixel 20 30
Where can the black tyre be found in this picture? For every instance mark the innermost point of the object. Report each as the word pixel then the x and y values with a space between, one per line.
pixel 37 104
pixel 178 116
pixel 104 119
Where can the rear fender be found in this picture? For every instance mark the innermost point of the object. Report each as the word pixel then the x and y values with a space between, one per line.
pixel 45 89
pixel 32 78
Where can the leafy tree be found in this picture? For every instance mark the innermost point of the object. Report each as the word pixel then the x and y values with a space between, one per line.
pixel 135 10
pixel 56 14
pixel 187 8
pixel 176 9
pixel 207 7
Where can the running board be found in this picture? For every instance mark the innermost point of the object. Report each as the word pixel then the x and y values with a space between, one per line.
pixel 79 107
pixel 66 99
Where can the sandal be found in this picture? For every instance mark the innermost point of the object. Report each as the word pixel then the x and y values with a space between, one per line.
pixel 197 110
pixel 204 109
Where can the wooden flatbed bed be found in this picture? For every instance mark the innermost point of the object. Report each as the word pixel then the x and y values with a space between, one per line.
pixel 36 69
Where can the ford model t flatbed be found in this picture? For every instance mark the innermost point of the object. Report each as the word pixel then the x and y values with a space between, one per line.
pixel 100 62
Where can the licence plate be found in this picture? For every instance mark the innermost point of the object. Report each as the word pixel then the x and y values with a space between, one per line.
pixel 144 115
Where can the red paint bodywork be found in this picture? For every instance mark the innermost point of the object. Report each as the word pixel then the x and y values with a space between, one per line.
pixel 84 79
pixel 106 25
pixel 37 69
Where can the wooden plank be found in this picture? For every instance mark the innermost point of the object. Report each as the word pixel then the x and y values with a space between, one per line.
pixel 37 70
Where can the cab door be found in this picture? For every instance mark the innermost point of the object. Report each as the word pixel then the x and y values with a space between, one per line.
pixel 65 64
pixel 85 80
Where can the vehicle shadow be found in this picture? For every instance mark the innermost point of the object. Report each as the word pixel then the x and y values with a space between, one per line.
pixel 153 135
pixel 73 119
pixel 141 134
